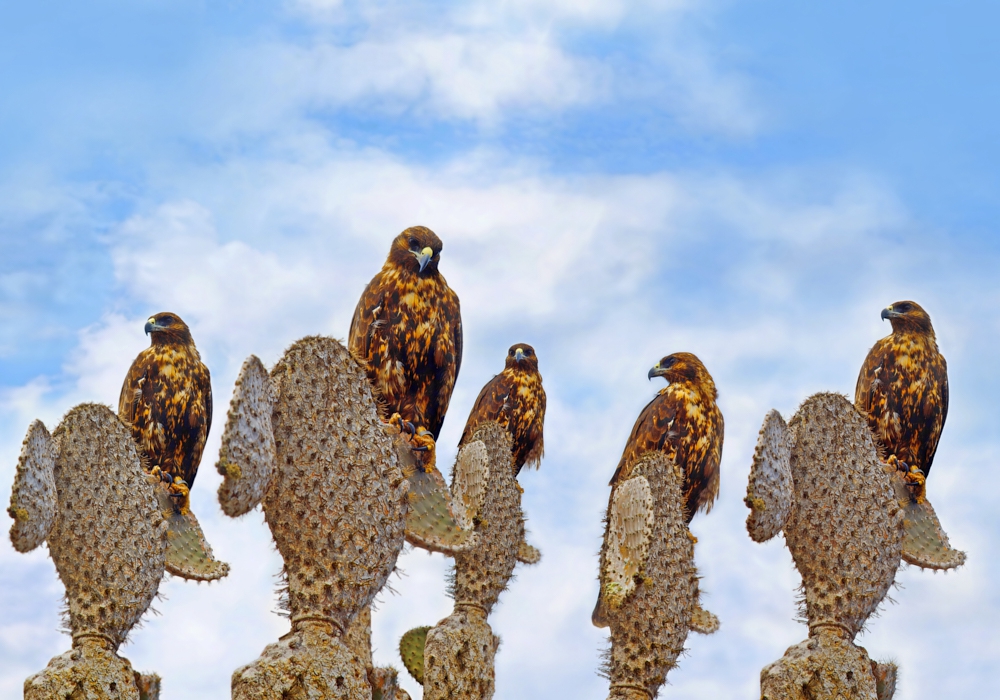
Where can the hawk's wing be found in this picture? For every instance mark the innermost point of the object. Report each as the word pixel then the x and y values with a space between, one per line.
pixel 447 357
pixel 491 404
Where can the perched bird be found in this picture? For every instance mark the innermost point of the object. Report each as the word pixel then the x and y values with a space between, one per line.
pixel 903 391
pixel 684 422
pixel 516 400
pixel 407 332
pixel 166 399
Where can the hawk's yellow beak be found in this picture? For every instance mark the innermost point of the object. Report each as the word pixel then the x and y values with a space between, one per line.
pixel 424 257
pixel 519 354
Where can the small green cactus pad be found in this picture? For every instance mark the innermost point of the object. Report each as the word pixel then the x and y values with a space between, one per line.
pixel 33 498
pixel 246 458
pixel 769 490
pixel 411 651
pixel 885 679
pixel 526 554
pixel 431 523
pixel 925 543
pixel 630 526
pixel 702 621
pixel 472 472
pixel 188 553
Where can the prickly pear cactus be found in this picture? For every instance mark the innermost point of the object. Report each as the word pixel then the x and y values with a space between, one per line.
pixel 33 499
pixel 107 539
pixel 411 651
pixel 844 528
pixel 769 491
pixel 459 652
pixel 649 586
pixel 336 505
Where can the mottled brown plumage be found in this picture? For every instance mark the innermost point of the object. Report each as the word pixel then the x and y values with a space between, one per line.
pixel 903 388
pixel 166 399
pixel 684 422
pixel 407 332
pixel 516 400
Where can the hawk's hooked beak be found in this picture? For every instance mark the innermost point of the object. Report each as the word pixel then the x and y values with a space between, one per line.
pixel 424 257
pixel 150 325
pixel 656 371
pixel 519 354
pixel 888 313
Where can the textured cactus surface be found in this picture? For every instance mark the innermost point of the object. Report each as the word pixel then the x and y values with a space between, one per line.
pixel 336 505
pixel 885 679
pixel 188 553
pixel 90 671
pixel 925 543
pixel 630 527
pixel 33 498
pixel 385 684
pixel 769 491
pixel 431 522
pixel 824 667
pixel 246 459
pixel 108 542
pixel 411 651
pixel 650 624
pixel 459 652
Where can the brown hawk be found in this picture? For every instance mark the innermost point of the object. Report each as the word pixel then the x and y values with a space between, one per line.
pixel 684 422
pixel 407 332
pixel 166 399
pixel 903 391
pixel 516 400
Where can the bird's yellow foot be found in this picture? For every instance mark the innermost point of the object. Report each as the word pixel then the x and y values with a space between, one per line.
pixel 916 482
pixel 181 494
pixel 694 540
pixel 404 425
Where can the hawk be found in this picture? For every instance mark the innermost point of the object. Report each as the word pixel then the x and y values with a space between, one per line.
pixel 516 400
pixel 166 400
pixel 684 422
pixel 903 392
pixel 407 332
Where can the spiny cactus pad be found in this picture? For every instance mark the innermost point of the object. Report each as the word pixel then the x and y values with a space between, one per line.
pixel 411 651
pixel 630 526
pixel 845 529
pixel 526 554
pixel 649 628
pixel 769 491
pixel 385 684
pixel 431 522
pixel 246 458
pixel 33 498
pixel 459 656
pixel 336 503
pixel 189 555
pixel 472 473
pixel 703 621
pixel 925 543
pixel 885 679
pixel 108 540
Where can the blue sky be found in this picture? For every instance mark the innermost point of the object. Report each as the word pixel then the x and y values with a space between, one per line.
pixel 613 181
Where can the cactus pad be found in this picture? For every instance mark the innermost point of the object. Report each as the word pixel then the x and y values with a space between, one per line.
pixel 33 498
pixel 703 621
pixel 630 526
pixel 385 684
pixel 472 473
pixel 650 626
pixel 411 651
pixel 885 679
pixel 925 543
pixel 526 554
pixel 769 491
pixel 431 522
pixel 189 555
pixel 246 458
pixel 108 540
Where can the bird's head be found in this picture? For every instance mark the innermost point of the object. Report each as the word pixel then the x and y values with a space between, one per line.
pixel 683 367
pixel 166 328
pixel 907 316
pixel 522 356
pixel 417 249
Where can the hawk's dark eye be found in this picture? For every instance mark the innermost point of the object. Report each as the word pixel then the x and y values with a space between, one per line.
pixel 414 244
pixel 165 321
pixel 903 308
pixel 529 351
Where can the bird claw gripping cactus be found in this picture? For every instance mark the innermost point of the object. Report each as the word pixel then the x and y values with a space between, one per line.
pixel 335 503
pixel 460 651
pixel 649 585
pixel 107 539
pixel 189 555
pixel 844 529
